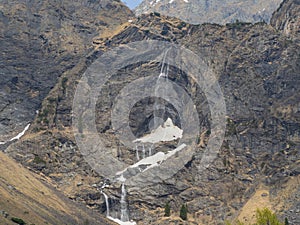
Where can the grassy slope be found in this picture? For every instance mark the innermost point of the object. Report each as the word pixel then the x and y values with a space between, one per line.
pixel 24 195
pixel 263 199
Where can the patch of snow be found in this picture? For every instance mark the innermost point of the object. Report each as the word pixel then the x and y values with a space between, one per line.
pixel 122 179
pixel 159 156
pixel 154 2
pixel 20 134
pixel 163 75
pixel 16 137
pixel 186 1
pixel 120 222
pixel 151 161
pixel 167 132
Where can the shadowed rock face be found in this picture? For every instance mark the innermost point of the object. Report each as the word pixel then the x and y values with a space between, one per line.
pixel 216 11
pixel 39 41
pixel 286 18
pixel 258 70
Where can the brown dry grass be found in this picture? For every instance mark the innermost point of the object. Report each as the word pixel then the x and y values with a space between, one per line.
pixel 257 201
pixel 24 195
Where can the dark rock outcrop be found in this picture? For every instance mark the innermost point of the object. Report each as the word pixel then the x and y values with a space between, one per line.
pixel 287 19
pixel 40 40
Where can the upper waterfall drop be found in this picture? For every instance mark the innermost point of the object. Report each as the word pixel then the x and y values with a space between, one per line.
pixel 159 109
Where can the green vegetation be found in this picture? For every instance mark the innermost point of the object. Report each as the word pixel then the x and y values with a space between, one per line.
pixel 286 222
pixel 181 25
pixel 263 217
pixel 167 210
pixel 208 132
pixel 156 13
pixel 18 221
pixel 266 217
pixel 38 160
pixel 183 212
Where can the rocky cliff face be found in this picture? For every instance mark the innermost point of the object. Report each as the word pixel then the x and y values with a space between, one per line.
pixel 257 68
pixel 39 41
pixel 286 19
pixel 221 12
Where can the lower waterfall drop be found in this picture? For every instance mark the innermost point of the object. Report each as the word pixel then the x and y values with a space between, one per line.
pixel 124 209
pixel 107 204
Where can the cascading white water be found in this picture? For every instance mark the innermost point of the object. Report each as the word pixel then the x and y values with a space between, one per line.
pixel 137 152
pixel 124 209
pixel 150 150
pixel 159 109
pixel 107 204
pixel 144 151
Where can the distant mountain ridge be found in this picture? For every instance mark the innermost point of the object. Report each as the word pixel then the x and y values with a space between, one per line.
pixel 215 11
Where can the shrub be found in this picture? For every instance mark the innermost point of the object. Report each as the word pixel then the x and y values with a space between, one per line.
pixel 181 25
pixel 18 221
pixel 263 217
pixel 266 217
pixel 286 222
pixel 156 13
pixel 38 160
pixel 167 210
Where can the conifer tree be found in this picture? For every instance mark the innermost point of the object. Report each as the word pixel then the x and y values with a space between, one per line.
pixel 183 212
pixel 167 210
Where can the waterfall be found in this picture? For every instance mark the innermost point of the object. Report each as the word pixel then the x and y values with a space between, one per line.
pixel 144 151
pixel 164 72
pixel 137 152
pixel 107 204
pixel 124 209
